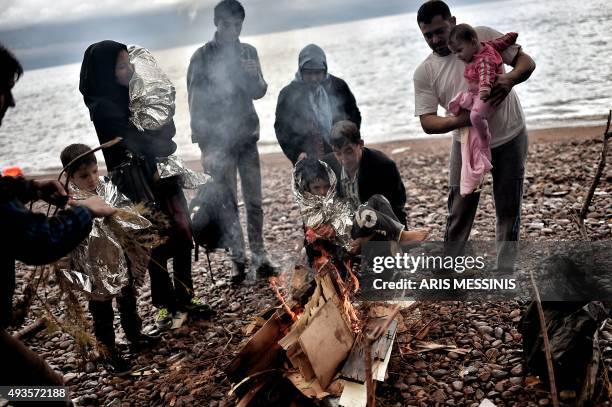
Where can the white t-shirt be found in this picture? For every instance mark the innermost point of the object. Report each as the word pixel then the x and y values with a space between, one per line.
pixel 437 80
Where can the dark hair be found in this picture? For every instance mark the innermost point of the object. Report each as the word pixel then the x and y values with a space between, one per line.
pixel 313 169
pixel 10 68
pixel 432 8
pixel 462 33
pixel 228 9
pixel 73 151
pixel 344 132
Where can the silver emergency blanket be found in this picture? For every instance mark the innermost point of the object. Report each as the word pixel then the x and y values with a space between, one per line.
pixel 98 266
pixel 173 166
pixel 151 92
pixel 317 210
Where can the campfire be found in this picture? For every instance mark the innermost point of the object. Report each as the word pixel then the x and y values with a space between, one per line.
pixel 311 345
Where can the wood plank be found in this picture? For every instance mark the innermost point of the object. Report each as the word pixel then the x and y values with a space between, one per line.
pixel 327 342
pixel 261 351
pixel 354 367
pixel 353 395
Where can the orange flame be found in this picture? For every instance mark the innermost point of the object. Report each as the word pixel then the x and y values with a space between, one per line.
pixel 273 281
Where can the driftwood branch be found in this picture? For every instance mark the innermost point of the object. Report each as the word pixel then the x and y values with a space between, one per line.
pixel 581 216
pixel 547 352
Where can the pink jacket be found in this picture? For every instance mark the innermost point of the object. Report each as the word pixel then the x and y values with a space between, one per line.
pixel 480 74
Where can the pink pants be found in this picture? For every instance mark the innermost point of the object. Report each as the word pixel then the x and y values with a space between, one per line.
pixel 475 152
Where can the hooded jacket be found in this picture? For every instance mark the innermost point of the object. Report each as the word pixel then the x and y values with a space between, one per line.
pixel 299 127
pixel 108 104
pixel 221 93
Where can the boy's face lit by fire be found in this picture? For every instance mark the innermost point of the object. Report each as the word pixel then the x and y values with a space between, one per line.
pixel 319 187
pixel 123 69
pixel 86 177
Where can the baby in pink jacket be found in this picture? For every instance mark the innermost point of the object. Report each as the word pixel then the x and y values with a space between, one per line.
pixel 483 64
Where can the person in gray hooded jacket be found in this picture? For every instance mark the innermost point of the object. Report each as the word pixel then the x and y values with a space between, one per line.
pixel 309 106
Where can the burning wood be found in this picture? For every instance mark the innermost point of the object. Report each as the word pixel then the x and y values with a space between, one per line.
pixel 279 296
pixel 311 335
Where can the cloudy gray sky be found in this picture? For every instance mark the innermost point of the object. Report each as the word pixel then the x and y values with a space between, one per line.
pixel 17 13
pixel 54 32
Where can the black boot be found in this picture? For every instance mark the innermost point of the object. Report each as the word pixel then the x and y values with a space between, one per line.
pixel 117 365
pixel 238 274
pixel 143 341
pixel 263 267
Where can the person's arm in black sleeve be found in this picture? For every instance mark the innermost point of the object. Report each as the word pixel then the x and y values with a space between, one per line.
pixel 398 193
pixel 350 104
pixel 17 188
pixel 282 126
pixel 34 238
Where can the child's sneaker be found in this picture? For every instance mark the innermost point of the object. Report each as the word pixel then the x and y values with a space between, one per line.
pixel 163 321
pixel 197 308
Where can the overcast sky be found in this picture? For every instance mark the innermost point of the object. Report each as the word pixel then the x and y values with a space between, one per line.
pixel 18 13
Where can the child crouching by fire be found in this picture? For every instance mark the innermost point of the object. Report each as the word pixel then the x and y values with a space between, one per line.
pixel 105 266
pixel 329 224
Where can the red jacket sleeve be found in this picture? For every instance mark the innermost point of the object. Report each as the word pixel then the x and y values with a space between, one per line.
pixel 504 41
pixel 486 75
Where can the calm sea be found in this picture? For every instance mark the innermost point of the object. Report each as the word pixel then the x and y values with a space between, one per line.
pixel 569 40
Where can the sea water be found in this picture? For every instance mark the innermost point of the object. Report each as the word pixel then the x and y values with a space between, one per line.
pixel 569 40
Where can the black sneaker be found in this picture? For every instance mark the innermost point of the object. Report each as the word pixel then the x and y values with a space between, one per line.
pixel 238 274
pixel 198 309
pixel 143 341
pixel 117 364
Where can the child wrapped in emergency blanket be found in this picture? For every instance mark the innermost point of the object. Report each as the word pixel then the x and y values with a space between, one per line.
pixel 112 261
pixel 331 227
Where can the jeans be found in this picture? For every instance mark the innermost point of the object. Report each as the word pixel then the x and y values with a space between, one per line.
pixel 223 166
pixel 508 173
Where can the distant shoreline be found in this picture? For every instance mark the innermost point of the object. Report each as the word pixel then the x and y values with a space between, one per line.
pixel 407 146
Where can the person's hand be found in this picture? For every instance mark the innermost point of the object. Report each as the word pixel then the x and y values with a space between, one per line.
pixel 326 231
pixel 96 206
pixel 501 88
pixel 250 66
pixel 461 120
pixel 302 156
pixel 51 191
pixel 484 94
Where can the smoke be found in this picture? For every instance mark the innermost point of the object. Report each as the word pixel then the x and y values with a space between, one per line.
pixel 192 8
pixel 221 89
